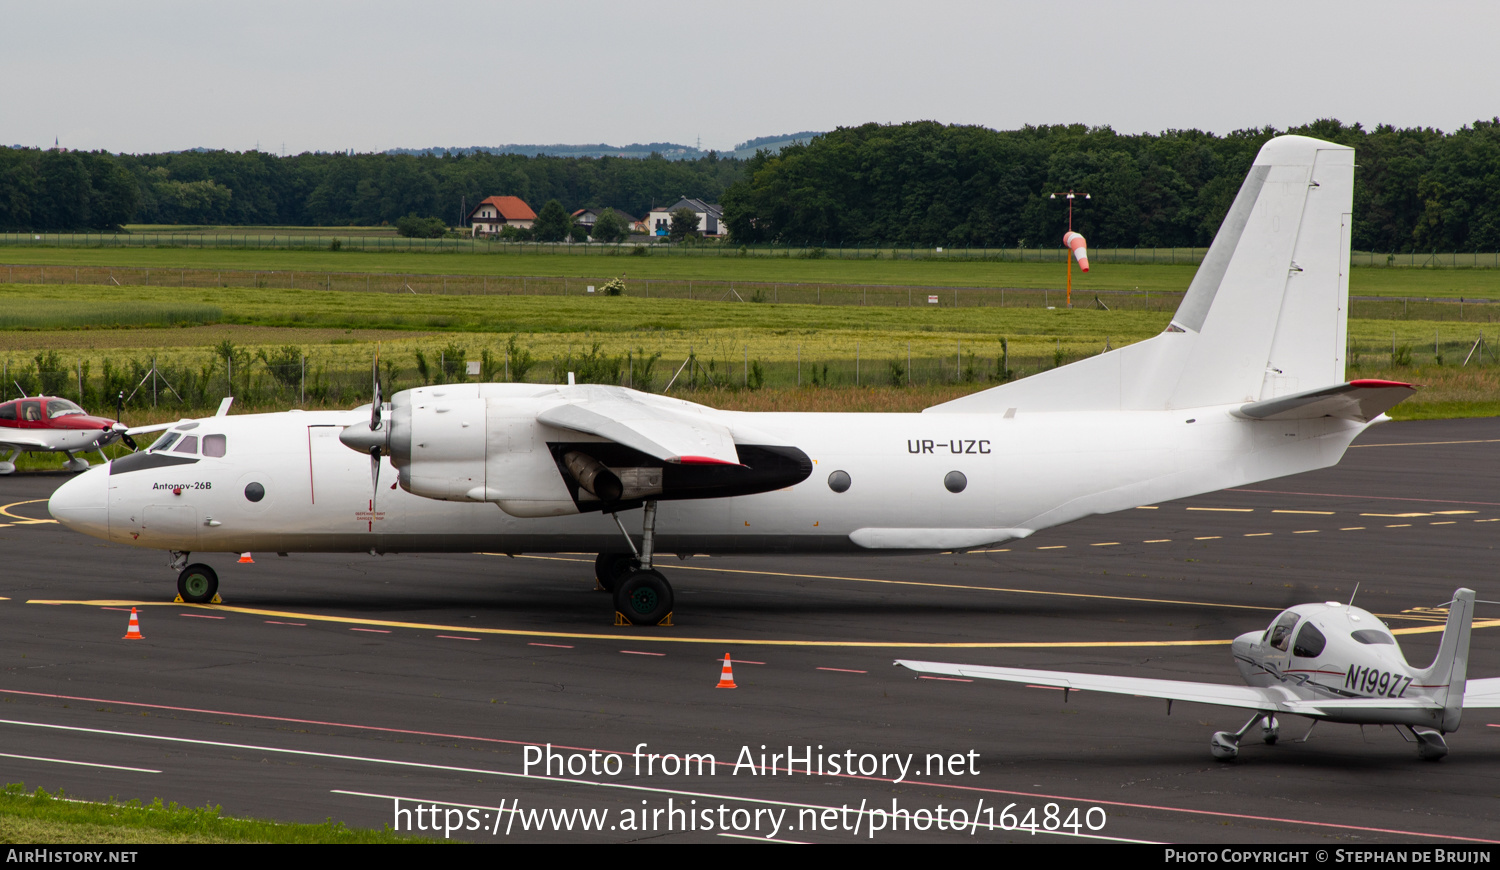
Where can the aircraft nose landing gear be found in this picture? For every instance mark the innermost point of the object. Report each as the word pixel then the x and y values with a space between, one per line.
pixel 642 595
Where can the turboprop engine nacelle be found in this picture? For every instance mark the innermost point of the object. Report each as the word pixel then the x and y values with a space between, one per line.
pixel 484 443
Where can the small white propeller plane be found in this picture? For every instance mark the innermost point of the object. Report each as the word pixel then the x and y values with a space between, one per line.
pixel 1329 662
pixel 1246 383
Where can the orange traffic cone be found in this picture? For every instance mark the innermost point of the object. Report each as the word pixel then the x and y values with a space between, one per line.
pixel 726 676
pixel 134 632
pixel 246 560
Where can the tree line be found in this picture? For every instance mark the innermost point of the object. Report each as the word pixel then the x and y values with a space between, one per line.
pixel 920 183
pixel 929 184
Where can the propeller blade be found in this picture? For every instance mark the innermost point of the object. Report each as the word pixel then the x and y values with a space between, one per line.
pixel 374 476
pixel 375 403
pixel 129 442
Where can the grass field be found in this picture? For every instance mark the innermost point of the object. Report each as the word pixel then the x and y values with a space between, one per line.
pixel 171 306
pixel 39 817
pixel 1444 283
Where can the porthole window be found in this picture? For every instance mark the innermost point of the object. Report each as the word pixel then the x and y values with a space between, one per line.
pixel 955 481
pixel 839 481
pixel 255 492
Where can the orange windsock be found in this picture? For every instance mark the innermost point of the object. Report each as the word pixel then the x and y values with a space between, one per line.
pixel 1075 243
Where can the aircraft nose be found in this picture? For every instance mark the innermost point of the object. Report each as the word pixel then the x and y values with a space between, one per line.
pixel 82 504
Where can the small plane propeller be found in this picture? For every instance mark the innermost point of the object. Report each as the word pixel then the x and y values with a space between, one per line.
pixel 376 407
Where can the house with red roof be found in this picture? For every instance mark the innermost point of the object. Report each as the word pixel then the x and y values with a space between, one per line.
pixel 496 212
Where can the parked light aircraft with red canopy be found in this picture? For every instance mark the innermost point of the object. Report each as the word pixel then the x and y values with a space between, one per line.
pixel 55 425
pixel 1246 383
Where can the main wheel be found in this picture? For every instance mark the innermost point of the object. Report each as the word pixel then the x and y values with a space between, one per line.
pixel 197 584
pixel 645 598
pixel 611 569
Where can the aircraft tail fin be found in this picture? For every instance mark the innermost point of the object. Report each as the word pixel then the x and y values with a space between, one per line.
pixel 1448 673
pixel 1264 316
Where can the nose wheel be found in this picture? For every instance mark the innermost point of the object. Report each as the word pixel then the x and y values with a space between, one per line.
pixel 198 584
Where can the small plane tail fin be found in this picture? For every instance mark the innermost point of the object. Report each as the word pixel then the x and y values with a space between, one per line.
pixel 1448 673
pixel 1264 316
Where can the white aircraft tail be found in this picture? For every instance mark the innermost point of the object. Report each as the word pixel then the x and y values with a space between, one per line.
pixel 1448 674
pixel 1264 317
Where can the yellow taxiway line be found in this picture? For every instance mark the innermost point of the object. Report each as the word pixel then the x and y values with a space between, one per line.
pixel 643 637
pixel 20 520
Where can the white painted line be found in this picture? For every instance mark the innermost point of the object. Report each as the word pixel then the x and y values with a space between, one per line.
pixel 1319 513
pixel 557 645
pixel 79 763
pixel 633 652
pixel 372 630
pixel 844 670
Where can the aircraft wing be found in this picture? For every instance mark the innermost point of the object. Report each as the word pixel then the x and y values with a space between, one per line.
pixel 1248 697
pixel 665 433
pixel 17 441
pixel 1482 693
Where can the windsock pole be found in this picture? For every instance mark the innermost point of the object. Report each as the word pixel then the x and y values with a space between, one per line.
pixel 1077 247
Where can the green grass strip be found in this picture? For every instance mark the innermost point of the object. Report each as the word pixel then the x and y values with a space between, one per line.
pixel 40 817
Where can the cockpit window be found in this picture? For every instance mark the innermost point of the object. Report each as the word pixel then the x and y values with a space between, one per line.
pixel 7 412
pixel 214 445
pixel 1370 635
pixel 31 412
pixel 1281 631
pixel 1310 642
pixel 61 408
pixel 165 441
pixel 187 445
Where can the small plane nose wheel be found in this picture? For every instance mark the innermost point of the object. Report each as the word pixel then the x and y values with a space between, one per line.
pixel 198 584
pixel 1270 730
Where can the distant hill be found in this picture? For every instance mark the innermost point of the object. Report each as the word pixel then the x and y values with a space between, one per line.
pixel 669 150
pixel 773 144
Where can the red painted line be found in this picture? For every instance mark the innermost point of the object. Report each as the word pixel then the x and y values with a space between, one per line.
pixel 949 785
pixel 202 616
pixel 557 645
pixel 632 652
pixel 844 670
pixel 371 630
pixel 1367 497
pixel 945 679
pixel 456 637
pixel 274 622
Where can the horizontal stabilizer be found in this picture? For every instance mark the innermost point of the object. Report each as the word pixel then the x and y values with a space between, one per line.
pixel 1248 697
pixel 1482 693
pixel 655 431
pixel 1361 400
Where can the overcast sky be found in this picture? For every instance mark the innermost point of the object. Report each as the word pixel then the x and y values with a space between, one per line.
pixel 152 76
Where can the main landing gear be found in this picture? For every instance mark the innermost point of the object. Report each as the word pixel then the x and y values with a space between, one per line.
pixel 642 595
pixel 197 583
pixel 1226 746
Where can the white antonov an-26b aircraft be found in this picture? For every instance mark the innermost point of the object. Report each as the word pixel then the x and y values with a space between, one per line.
pixel 1247 383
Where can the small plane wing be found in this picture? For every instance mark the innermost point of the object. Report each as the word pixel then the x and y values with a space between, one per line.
pixel 667 434
pixel 1482 693
pixel 15 441
pixel 1248 697
pixel 1361 400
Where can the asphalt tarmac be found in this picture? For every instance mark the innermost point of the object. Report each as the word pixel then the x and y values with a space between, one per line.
pixel 331 686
